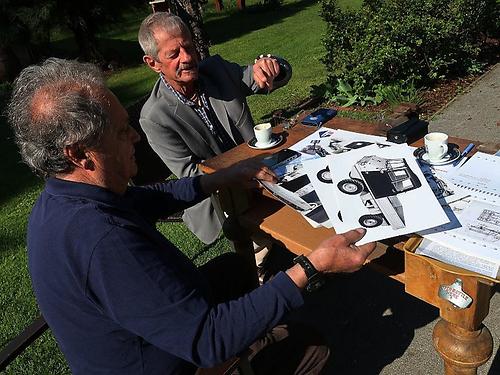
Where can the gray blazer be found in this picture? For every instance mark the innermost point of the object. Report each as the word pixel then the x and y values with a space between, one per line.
pixel 181 139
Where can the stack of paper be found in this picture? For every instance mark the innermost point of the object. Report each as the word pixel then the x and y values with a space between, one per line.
pixel 348 180
pixel 381 189
pixel 351 180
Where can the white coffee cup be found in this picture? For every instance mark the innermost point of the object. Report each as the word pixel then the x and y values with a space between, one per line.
pixel 436 145
pixel 263 133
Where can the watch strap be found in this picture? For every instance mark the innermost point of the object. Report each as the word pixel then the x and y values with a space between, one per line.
pixel 314 278
pixel 306 264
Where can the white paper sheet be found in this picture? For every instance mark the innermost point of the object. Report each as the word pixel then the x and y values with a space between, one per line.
pixel 325 142
pixel 295 188
pixel 474 229
pixel 458 258
pixel 318 172
pixel 444 190
pixel 383 190
pixel 480 176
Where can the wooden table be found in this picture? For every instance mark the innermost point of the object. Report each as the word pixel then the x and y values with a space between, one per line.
pixel 461 339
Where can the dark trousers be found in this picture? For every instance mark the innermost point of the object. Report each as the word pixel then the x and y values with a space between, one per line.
pixel 288 348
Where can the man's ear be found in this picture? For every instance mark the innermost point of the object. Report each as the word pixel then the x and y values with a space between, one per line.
pixel 152 63
pixel 77 156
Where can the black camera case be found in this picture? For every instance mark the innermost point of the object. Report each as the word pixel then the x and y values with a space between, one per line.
pixel 406 129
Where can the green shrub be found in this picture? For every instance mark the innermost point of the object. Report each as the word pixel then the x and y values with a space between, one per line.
pixel 397 42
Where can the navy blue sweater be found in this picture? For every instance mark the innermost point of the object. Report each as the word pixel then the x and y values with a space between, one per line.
pixel 121 299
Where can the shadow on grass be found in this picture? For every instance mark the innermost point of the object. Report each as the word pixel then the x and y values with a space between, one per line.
pixel 117 52
pixel 239 23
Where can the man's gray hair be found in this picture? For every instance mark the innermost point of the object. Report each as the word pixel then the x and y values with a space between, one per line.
pixel 56 104
pixel 164 21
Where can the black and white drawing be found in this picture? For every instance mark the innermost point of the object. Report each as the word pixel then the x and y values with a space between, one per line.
pixel 294 189
pixel 325 133
pixel 378 181
pixel 487 226
pixel 324 175
pixel 382 190
pixel 338 146
pixel 328 141
pixel 314 148
pixel 474 229
pixel 317 166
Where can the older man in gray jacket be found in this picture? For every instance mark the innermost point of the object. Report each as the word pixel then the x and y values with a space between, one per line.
pixel 197 110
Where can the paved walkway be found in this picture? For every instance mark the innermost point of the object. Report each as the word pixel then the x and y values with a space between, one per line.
pixel 372 325
pixel 475 114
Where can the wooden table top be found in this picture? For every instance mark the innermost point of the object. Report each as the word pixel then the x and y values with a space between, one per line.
pixel 289 227
pixel 300 131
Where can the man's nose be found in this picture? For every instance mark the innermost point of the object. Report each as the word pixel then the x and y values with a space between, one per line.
pixel 186 55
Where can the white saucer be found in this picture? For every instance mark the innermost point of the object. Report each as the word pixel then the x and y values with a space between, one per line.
pixel 275 140
pixel 452 155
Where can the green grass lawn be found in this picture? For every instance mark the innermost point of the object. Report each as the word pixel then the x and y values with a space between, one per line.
pixel 293 31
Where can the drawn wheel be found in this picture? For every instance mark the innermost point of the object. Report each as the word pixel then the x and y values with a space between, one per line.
pixel 371 221
pixel 324 176
pixel 350 186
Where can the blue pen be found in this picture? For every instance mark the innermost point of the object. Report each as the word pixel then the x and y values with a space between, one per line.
pixel 464 153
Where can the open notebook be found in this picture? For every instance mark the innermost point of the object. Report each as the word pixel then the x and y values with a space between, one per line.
pixel 472 238
pixel 480 176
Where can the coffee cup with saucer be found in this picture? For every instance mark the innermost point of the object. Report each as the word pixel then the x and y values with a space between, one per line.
pixel 264 137
pixel 263 133
pixel 452 155
pixel 436 146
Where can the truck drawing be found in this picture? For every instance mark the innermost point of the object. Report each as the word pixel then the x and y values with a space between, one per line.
pixel 379 181
pixel 298 193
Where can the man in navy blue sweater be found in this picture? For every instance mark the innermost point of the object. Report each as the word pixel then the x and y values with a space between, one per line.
pixel 118 296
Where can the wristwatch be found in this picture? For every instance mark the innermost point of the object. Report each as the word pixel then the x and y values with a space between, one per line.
pixel 285 70
pixel 315 279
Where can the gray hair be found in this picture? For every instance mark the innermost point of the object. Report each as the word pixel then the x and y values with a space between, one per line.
pixel 168 22
pixel 57 104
